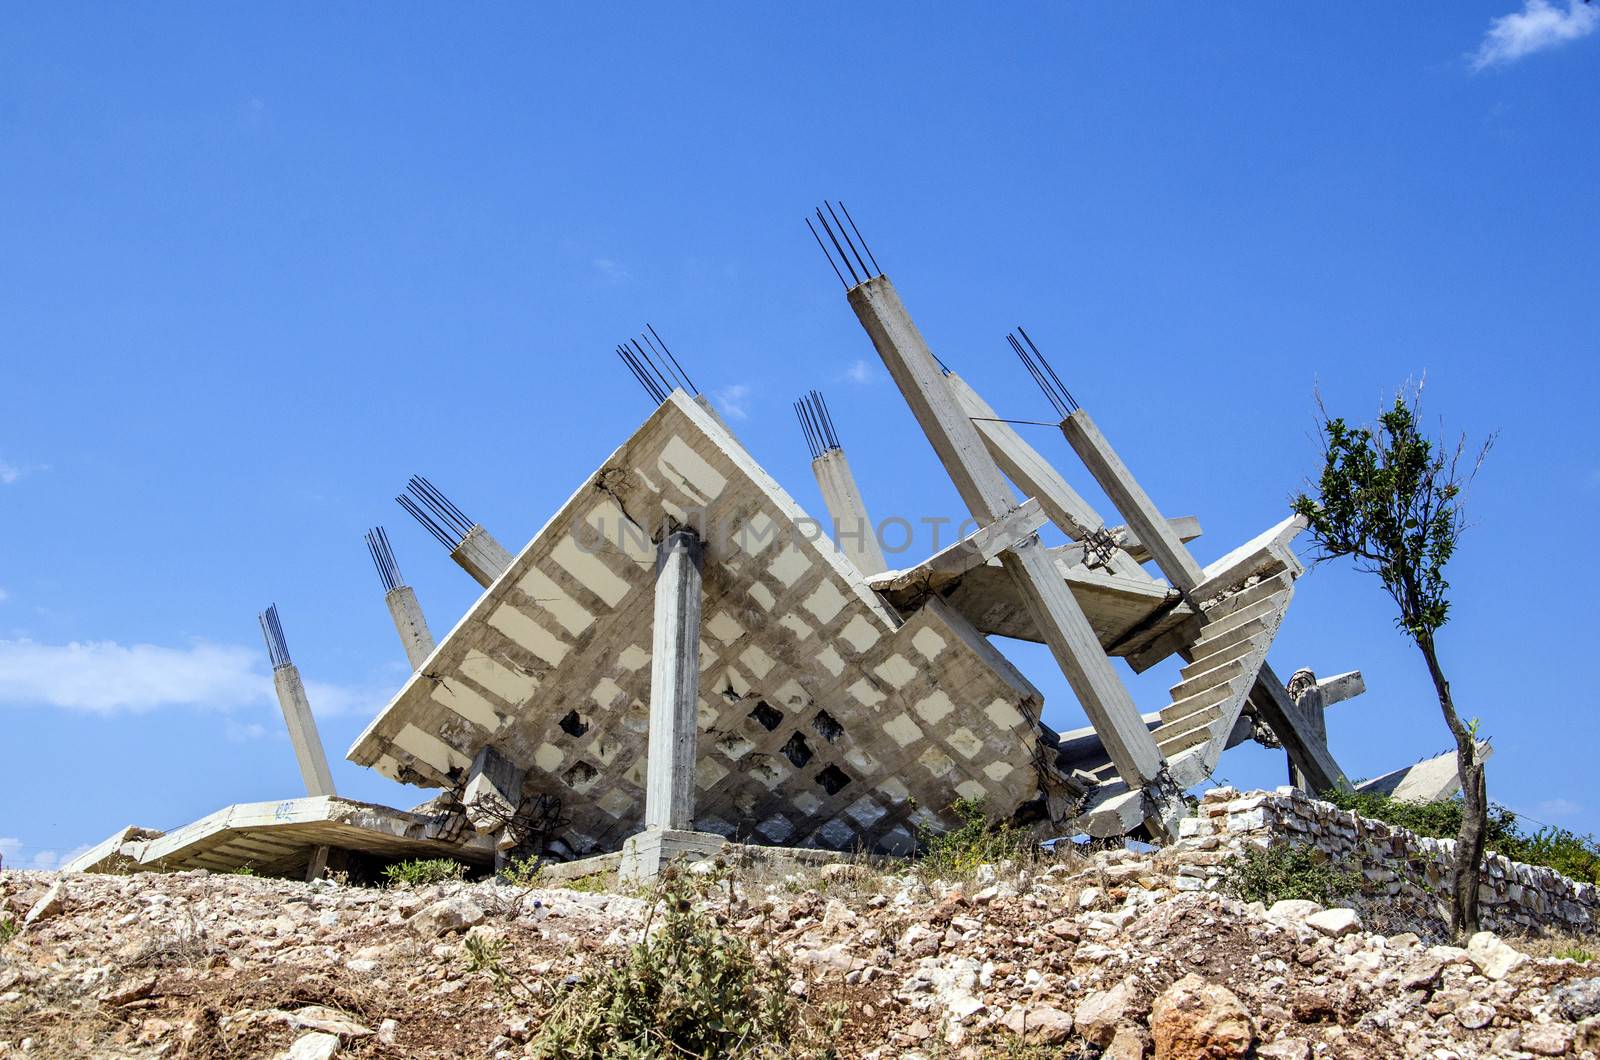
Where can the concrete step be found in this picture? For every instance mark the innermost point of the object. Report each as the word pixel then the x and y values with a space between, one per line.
pixel 1182 740
pixel 1224 653
pixel 1245 597
pixel 1212 634
pixel 1182 708
pixel 1220 674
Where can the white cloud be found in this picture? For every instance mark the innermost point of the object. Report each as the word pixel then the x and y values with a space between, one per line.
pixel 1556 808
pixel 1539 25
pixel 54 859
pixel 863 372
pixel 104 677
pixel 9 473
pixel 9 847
pixel 734 401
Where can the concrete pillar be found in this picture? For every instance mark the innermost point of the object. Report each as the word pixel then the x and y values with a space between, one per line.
pixel 481 556
pixel 410 624
pixel 983 488
pixel 1312 766
pixel 674 684
pixel 308 750
pixel 1136 507
pixel 852 528
pixel 1034 475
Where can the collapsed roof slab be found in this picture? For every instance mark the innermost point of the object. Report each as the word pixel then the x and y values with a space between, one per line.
pixel 826 719
pixel 278 839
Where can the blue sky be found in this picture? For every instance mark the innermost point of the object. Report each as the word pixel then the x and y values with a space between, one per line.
pixel 258 265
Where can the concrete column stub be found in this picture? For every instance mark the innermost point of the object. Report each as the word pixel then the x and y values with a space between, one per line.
pixel 674 684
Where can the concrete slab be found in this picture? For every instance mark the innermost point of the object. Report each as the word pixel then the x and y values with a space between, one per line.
pixel 826 719
pixel 278 838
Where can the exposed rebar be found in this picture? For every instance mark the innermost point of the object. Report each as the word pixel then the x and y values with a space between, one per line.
pixel 1055 391
pixel 845 252
pixel 272 632
pixel 436 512
pixel 654 366
pixel 816 424
pixel 383 559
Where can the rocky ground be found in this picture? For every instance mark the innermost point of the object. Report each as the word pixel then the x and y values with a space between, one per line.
pixel 1104 956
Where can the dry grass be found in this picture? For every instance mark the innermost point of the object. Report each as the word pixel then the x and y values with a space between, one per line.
pixel 1581 948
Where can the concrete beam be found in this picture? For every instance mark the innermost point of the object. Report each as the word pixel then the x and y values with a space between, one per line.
pixel 853 531
pixel 1132 501
pixel 308 750
pixel 409 622
pixel 972 551
pixel 1307 749
pixel 481 556
pixel 674 684
pixel 1033 474
pixel 988 497
pixel 493 791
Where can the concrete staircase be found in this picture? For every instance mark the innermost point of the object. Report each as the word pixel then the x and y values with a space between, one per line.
pixel 1212 689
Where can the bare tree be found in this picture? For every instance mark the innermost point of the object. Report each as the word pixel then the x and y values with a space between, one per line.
pixel 1392 500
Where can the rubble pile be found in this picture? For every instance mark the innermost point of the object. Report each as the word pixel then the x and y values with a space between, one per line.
pixel 1108 955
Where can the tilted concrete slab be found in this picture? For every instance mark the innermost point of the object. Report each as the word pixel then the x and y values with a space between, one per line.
pixel 278 839
pixel 826 719
pixel 1429 780
pixel 1127 614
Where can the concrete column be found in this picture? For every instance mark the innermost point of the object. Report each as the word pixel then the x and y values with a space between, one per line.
pixel 852 528
pixel 1034 475
pixel 410 624
pixel 481 556
pixel 1312 766
pixel 983 488
pixel 1136 507
pixel 302 726
pixel 674 684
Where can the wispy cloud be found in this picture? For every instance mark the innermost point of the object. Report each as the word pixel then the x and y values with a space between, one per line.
pixel 105 677
pixel 862 372
pixel 1556 808
pixel 4 596
pixel 9 473
pixel 611 269
pixel 1538 26
pixel 10 847
pixel 734 401
pixel 16 856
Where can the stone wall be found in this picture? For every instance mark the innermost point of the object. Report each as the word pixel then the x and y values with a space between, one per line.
pixel 1407 876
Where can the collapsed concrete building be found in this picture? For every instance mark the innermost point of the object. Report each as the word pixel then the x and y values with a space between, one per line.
pixel 682 658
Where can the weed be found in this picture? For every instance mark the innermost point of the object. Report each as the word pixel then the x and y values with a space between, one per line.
pixel 521 872
pixel 8 928
pixel 420 872
pixel 246 869
pixel 1575 953
pixel 688 988
pixel 956 854
pixel 1286 871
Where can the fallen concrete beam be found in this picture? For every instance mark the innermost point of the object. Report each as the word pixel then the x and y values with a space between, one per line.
pixel 974 550
pixel 1033 474
pixel 1307 750
pixel 1131 500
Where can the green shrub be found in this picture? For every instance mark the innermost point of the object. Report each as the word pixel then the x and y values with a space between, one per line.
pixel 956 854
pixel 422 871
pixel 1570 854
pixel 8 929
pixel 688 989
pixel 1286 871
pixel 1575 953
pixel 521 872
pixel 243 870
